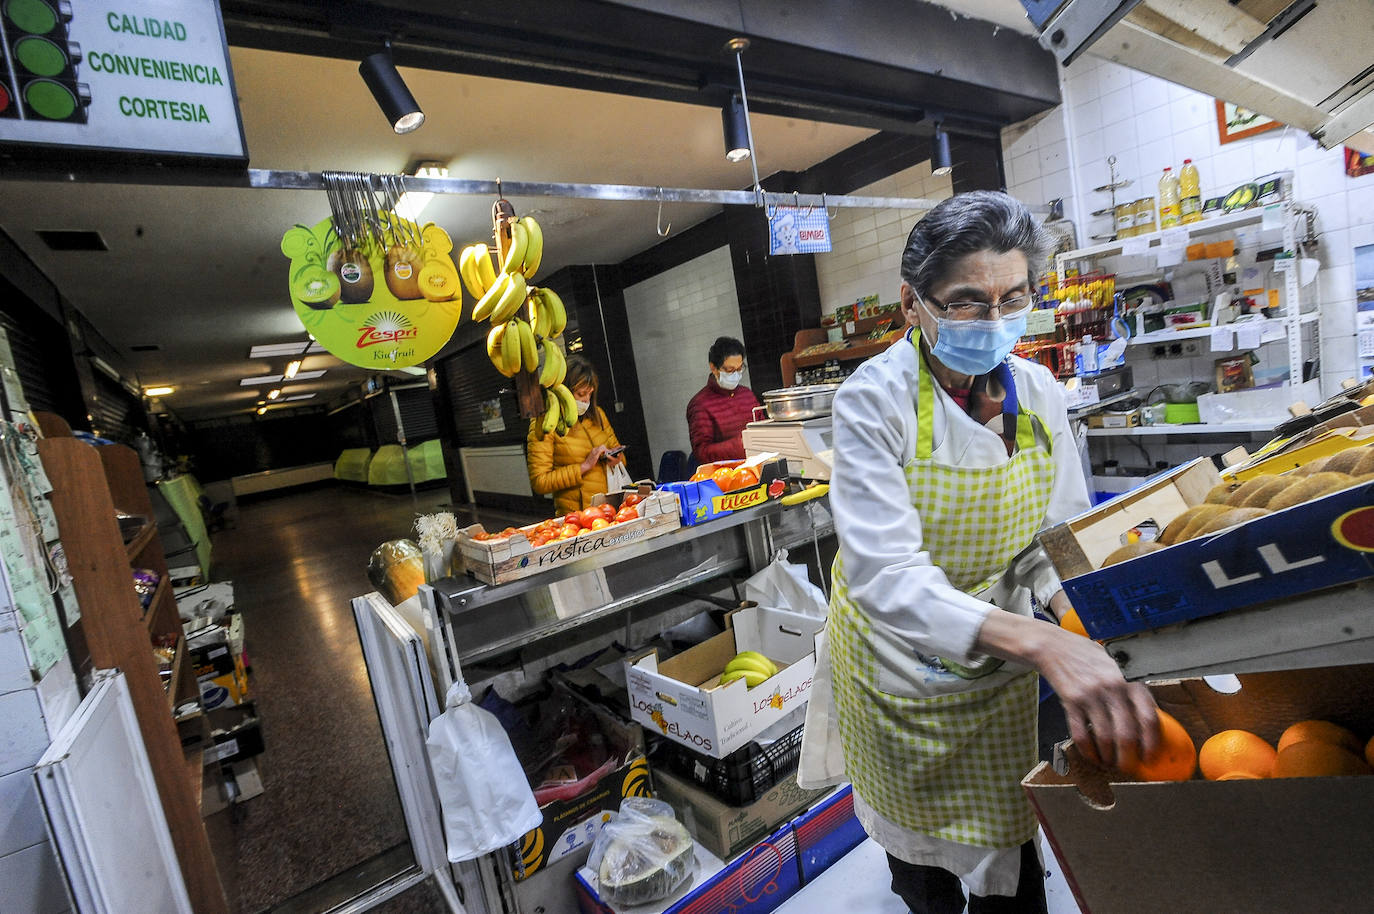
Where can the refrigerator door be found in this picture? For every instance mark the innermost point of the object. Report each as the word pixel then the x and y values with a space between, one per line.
pixel 103 809
pixel 406 703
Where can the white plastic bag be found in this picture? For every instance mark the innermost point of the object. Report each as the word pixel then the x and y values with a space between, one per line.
pixel 617 478
pixel 783 585
pixel 486 801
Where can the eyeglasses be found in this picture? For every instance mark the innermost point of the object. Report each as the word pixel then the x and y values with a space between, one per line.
pixel 976 310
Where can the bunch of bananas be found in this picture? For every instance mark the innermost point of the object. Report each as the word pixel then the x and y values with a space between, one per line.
pixel 751 666
pixel 525 319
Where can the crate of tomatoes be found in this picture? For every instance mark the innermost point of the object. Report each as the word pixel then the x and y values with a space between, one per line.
pixel 614 519
pixel 720 489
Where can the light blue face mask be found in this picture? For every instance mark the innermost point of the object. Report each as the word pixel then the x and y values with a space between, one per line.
pixel 730 379
pixel 974 347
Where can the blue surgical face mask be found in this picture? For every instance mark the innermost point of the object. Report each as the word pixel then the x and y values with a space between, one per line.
pixel 974 347
pixel 729 379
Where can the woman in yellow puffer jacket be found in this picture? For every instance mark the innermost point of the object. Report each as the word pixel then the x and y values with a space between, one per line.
pixel 573 466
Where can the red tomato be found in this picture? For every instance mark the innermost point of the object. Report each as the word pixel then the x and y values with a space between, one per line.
pixel 575 518
pixel 630 500
pixel 626 513
pixel 539 539
pixel 743 478
pixel 568 531
pixel 587 515
pixel 600 523
pixel 722 477
pixel 607 510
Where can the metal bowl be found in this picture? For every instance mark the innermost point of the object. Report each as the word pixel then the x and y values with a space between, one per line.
pixel 792 403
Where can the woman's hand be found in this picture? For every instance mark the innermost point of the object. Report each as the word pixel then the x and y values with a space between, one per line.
pixel 1111 720
pixel 615 460
pixel 596 454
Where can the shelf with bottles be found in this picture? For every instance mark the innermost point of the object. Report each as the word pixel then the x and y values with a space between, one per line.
pixel 1181 233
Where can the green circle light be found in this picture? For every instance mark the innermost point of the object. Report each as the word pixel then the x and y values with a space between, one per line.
pixel 50 99
pixel 40 56
pixel 32 16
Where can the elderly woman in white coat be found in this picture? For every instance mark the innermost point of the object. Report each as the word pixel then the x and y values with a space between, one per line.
pixel 950 455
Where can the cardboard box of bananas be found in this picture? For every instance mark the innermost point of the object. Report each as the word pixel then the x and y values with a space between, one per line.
pixel 525 319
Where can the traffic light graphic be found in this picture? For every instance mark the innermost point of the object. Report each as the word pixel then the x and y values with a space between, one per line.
pixel 39 79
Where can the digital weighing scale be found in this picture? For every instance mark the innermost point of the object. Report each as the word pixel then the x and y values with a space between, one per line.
pixel 807 444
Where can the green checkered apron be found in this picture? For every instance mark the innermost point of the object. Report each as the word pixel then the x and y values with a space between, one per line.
pixel 936 747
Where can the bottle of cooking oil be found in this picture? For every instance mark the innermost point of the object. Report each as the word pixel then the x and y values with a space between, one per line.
pixel 1168 199
pixel 1190 193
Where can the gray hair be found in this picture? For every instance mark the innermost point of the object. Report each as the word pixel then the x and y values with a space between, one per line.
pixel 964 224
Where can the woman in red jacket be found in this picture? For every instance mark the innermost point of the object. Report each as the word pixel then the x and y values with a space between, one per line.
pixel 719 412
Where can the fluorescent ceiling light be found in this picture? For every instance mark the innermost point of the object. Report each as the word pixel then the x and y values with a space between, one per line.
pixel 297 397
pixel 413 202
pixel 276 378
pixel 292 367
pixel 158 391
pixel 275 350
pixel 274 393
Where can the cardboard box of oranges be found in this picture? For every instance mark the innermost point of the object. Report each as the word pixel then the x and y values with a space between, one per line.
pixel 1187 545
pixel 1278 824
pixel 720 489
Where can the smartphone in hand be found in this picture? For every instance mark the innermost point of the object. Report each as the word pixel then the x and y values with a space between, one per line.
pixel 615 451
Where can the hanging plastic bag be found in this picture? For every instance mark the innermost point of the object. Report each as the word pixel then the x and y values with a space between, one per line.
pixel 783 585
pixel 641 855
pixel 486 801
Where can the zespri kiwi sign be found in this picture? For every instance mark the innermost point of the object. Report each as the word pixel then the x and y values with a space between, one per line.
pixel 139 76
pixel 379 303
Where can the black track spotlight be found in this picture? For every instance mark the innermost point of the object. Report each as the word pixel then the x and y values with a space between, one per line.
pixel 736 123
pixel 940 164
pixel 391 93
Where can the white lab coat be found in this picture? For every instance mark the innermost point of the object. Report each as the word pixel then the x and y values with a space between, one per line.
pixel 891 577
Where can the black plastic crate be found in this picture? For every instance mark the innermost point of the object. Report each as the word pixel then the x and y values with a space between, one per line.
pixel 742 776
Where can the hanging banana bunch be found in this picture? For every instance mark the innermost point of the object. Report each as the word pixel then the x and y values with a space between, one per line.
pixel 525 319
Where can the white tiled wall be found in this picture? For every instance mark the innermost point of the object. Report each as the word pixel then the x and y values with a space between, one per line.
pixel 1148 123
pixel 866 245
pixel 677 315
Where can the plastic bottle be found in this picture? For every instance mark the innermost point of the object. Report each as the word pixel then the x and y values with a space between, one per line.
pixel 1190 193
pixel 1168 199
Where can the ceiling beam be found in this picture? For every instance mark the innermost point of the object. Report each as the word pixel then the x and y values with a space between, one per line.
pixel 883 64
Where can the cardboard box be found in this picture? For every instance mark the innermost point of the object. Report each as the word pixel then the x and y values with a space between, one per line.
pixel 704 501
pixel 513 558
pixel 570 826
pixel 682 697
pixel 827 832
pixel 235 733
pixel 724 829
pixel 1291 844
pixel 224 691
pixel 1114 420
pixel 1318 544
pixel 756 883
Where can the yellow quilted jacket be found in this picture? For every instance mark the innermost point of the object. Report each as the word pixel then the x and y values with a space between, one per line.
pixel 555 463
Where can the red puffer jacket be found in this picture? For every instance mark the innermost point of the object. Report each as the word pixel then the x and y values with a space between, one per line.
pixel 715 419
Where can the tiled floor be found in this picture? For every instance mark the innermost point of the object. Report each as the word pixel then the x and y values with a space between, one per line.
pixel 329 802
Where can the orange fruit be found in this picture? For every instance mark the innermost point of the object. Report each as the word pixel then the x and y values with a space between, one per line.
pixel 1313 758
pixel 1323 731
pixel 1239 776
pixel 1369 752
pixel 1175 759
pixel 1235 752
pixel 1070 622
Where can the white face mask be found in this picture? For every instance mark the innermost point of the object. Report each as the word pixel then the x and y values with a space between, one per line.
pixel 729 379
pixel 582 406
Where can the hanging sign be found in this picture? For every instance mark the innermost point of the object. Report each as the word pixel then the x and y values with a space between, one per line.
pixel 798 230
pixel 145 77
pixel 377 305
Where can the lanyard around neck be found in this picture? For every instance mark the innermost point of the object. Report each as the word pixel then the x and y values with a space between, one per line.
pixel 1016 425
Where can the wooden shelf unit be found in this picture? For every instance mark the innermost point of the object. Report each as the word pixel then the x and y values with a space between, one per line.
pixel 857 349
pixel 91 484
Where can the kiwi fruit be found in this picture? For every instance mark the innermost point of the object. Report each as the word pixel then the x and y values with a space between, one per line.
pixel 1231 518
pixel 1365 465
pixel 1251 490
pixel 1173 531
pixel 1343 461
pixel 1312 466
pixel 1221 492
pixel 1130 551
pixel 1314 486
